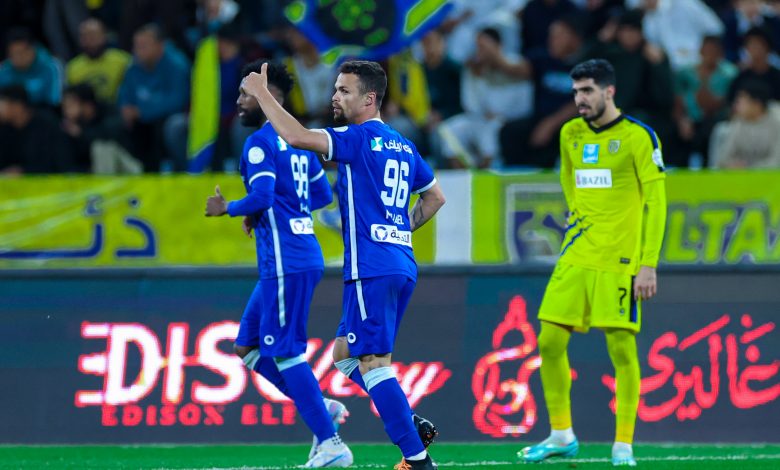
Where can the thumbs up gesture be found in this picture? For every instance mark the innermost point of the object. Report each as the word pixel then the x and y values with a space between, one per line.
pixel 216 205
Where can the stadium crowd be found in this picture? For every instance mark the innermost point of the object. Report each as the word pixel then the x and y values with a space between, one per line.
pixel 104 86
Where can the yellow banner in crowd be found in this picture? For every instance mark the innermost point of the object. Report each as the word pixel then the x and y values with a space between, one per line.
pixel 726 218
pixel 148 221
pixel 720 218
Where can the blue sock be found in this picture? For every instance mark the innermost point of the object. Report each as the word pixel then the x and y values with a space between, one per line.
pixel 394 410
pixel 356 377
pixel 305 392
pixel 266 367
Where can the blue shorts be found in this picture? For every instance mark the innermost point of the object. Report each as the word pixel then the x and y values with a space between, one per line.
pixel 276 316
pixel 372 313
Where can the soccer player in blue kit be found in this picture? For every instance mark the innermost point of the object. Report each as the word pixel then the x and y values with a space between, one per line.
pixel 378 171
pixel 284 185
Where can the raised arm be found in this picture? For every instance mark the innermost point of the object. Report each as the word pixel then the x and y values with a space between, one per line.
pixel 427 205
pixel 284 123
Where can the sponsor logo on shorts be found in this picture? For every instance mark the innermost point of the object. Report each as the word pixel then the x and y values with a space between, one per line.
pixel 351 338
pixel 391 234
pixel 268 339
pixel 302 226
pixel 593 178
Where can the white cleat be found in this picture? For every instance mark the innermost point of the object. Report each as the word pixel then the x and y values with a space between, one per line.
pixel 331 453
pixel 338 414
pixel 623 456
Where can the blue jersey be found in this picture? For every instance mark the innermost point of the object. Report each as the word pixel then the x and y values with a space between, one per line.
pixel 284 184
pixel 379 169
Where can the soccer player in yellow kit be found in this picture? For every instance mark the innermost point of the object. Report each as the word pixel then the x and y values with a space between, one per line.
pixel 612 175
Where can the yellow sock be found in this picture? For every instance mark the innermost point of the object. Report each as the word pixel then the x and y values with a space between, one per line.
pixel 621 345
pixel 555 373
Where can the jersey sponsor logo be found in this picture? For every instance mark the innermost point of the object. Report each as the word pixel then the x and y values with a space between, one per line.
pixel 590 153
pixel 398 146
pixel 376 144
pixel 614 146
pixel 391 234
pixel 255 155
pixel 593 178
pixel 302 226
pixel 658 159
pixel 281 144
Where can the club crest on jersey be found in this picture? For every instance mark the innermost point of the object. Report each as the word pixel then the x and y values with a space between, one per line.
pixel 376 144
pixel 281 143
pixel 614 146
pixel 590 153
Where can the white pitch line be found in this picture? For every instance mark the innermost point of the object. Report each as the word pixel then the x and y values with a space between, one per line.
pixel 494 463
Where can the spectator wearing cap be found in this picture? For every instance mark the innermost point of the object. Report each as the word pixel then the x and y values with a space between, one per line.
pixel 33 67
pixel 102 67
pixel 32 139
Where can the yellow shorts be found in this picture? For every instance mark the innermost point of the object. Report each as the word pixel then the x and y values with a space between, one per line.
pixel 584 298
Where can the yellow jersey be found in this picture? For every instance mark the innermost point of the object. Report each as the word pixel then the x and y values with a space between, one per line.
pixel 602 174
pixel 104 73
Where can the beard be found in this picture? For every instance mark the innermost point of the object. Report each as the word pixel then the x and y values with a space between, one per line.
pixel 95 53
pixel 252 118
pixel 598 112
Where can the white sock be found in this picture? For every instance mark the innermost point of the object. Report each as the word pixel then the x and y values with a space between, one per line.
pixel 622 447
pixel 562 436
pixel 419 456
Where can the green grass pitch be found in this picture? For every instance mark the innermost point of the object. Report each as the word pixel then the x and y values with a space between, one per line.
pixel 448 455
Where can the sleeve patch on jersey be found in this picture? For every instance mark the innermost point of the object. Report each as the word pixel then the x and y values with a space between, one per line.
pixel 658 159
pixel 255 155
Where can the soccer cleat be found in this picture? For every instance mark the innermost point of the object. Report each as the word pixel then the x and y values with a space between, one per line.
pixel 427 432
pixel 424 464
pixel 331 454
pixel 547 449
pixel 338 414
pixel 426 429
pixel 623 458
